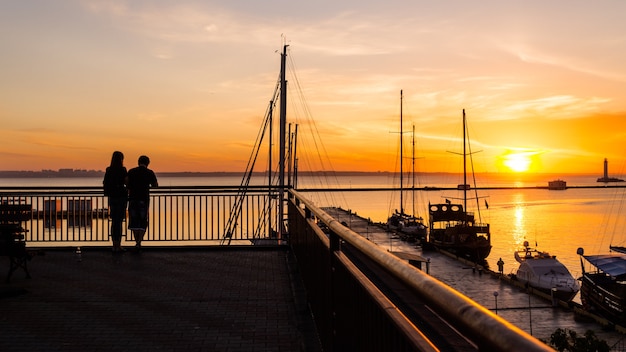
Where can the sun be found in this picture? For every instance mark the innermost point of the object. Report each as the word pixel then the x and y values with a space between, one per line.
pixel 519 160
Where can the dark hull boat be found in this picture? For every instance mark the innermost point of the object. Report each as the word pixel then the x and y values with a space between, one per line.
pixel 603 290
pixel 454 229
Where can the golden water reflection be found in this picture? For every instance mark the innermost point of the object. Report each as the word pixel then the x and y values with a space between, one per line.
pixel 519 229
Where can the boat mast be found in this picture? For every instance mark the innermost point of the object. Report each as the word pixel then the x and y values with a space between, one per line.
pixel 413 170
pixel 288 157
pixel 294 159
pixel 282 145
pixel 270 117
pixel 401 160
pixel 464 167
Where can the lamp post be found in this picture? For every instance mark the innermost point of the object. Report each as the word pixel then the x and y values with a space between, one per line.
pixel 530 312
pixel 495 295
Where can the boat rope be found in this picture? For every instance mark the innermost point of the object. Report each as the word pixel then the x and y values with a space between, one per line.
pixel 302 115
pixel 313 155
pixel 235 213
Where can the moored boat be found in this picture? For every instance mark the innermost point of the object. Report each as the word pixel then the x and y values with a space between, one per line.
pixel 453 228
pixel 544 272
pixel 603 289
pixel 410 227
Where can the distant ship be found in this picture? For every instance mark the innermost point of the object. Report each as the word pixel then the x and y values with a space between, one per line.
pixel 606 177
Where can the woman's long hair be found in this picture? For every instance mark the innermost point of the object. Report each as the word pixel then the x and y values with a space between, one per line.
pixel 117 160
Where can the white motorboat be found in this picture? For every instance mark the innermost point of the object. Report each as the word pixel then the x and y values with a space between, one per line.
pixel 544 272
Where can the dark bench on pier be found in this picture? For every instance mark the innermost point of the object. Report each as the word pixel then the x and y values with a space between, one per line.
pixel 12 241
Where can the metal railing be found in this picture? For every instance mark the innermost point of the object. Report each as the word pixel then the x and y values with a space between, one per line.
pixel 351 312
pixel 178 215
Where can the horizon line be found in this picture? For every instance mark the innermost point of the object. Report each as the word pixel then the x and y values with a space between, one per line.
pixel 85 172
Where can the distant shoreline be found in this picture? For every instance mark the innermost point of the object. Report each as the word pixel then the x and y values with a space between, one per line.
pixel 99 173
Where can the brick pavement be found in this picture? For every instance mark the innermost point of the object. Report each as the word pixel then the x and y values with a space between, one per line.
pixel 224 299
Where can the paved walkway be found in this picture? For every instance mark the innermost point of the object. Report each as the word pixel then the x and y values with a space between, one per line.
pixel 513 303
pixel 223 299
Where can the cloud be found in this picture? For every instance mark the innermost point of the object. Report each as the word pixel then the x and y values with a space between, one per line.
pixel 334 34
pixel 560 58
pixel 557 106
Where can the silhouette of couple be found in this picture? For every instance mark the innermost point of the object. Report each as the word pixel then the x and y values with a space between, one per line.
pixel 130 187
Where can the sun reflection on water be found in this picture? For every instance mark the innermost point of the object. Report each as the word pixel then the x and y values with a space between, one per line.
pixel 519 228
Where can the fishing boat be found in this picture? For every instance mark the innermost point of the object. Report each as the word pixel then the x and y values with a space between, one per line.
pixel 453 228
pixel 544 272
pixel 603 288
pixel 410 227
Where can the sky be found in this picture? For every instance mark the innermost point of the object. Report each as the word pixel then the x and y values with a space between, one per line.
pixel 188 83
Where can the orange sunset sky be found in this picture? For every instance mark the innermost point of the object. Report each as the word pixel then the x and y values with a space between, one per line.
pixel 543 83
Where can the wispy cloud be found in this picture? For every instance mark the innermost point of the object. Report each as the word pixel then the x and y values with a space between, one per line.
pixel 557 107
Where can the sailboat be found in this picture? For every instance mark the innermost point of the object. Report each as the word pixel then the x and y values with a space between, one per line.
pixel 410 227
pixel 453 228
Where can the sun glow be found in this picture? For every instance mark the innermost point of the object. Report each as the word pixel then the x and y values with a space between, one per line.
pixel 518 161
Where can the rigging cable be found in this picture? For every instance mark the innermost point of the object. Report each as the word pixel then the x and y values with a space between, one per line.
pixel 317 145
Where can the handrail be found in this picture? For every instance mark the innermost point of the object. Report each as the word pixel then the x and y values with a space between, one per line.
pixel 469 317
pixel 179 215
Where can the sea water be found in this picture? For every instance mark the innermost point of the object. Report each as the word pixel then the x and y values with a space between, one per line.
pixel 558 222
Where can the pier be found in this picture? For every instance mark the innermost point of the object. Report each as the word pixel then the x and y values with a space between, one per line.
pixel 530 310
pixel 353 295
pixel 163 299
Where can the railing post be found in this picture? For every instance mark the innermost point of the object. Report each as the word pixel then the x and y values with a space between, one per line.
pixel 333 249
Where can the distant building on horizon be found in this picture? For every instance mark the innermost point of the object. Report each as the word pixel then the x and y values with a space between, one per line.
pixel 557 185
pixel 606 177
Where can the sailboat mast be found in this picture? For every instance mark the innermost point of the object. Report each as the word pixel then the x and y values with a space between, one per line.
pixel 464 165
pixel 270 194
pixel 294 158
pixel 413 170
pixel 401 160
pixel 283 143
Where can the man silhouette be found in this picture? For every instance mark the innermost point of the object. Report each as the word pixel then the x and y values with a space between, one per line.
pixel 140 179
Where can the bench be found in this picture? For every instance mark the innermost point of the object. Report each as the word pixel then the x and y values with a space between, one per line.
pixel 12 241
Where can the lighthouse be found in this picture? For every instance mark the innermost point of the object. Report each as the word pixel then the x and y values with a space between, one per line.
pixel 606 177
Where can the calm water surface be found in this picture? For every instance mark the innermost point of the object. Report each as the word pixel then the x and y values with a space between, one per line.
pixel 558 221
